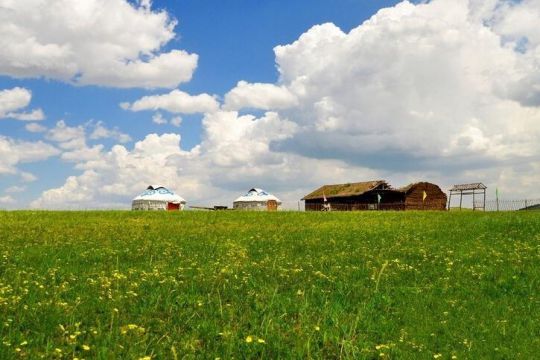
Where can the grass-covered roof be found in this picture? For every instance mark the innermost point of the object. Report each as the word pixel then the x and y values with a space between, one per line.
pixel 344 190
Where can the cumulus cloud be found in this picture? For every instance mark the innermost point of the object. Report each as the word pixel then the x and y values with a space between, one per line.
pixel 443 90
pixel 15 189
pixel 15 152
pixel 34 115
pixel 442 86
pixel 102 132
pixel 175 102
pixel 259 96
pixel 232 140
pixel 27 176
pixel 14 100
pixel 176 121
pixel 6 200
pixel 73 140
pixel 96 42
pixel 118 174
pixel 225 164
pixel 67 137
pixel 158 119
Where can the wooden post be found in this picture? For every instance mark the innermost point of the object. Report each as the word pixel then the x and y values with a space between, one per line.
pixel 449 200
pixel 484 200
pixel 526 207
pixel 473 201
pixel 460 199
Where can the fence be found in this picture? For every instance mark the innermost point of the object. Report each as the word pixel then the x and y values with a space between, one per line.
pixel 511 205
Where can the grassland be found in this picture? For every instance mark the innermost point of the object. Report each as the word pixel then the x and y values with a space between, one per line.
pixel 269 285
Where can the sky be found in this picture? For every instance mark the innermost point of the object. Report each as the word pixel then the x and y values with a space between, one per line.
pixel 100 98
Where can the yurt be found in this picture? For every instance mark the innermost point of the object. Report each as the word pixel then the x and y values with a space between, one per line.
pixel 257 199
pixel 158 198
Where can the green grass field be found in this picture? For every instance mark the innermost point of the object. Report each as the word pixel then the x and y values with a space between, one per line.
pixel 269 285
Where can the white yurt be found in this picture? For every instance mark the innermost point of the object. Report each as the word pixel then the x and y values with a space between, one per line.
pixel 157 197
pixel 257 199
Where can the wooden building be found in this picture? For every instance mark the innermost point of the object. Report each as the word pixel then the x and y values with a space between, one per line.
pixel 376 195
pixel 423 196
pixel 369 195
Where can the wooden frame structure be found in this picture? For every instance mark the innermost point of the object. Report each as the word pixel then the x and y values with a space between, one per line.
pixel 469 189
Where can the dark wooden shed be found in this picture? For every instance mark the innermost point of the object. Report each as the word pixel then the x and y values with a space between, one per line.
pixel 369 195
pixel 423 196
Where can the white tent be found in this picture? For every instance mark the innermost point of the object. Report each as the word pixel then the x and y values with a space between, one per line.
pixel 257 199
pixel 158 197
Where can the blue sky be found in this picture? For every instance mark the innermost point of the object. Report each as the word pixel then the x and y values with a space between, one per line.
pixel 401 97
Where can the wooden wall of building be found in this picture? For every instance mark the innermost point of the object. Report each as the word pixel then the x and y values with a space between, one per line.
pixel 435 200
pixel 390 200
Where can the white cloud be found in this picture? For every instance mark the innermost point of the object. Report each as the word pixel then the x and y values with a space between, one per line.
pixel 73 139
pixel 158 119
pixel 175 102
pixel 12 100
pixel 176 121
pixel 224 165
pixel 34 115
pixel 259 96
pixel 6 200
pixel 16 99
pixel 35 127
pixel 434 91
pixel 27 177
pixel 67 137
pixel 232 140
pixel 434 86
pixel 15 189
pixel 102 132
pixel 94 42
pixel 15 152
pixel 119 174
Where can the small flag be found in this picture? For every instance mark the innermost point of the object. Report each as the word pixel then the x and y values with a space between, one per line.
pixel 379 197
pixel 424 196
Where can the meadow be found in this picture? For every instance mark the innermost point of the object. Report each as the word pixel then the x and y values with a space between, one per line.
pixel 367 285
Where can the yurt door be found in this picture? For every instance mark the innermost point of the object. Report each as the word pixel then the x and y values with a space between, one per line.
pixel 271 205
pixel 171 206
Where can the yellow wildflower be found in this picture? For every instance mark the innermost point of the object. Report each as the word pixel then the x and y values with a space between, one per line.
pixel 249 339
pixel 86 347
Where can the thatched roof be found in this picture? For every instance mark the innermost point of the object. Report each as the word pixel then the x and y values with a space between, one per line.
pixel 344 190
pixel 465 187
pixel 407 188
